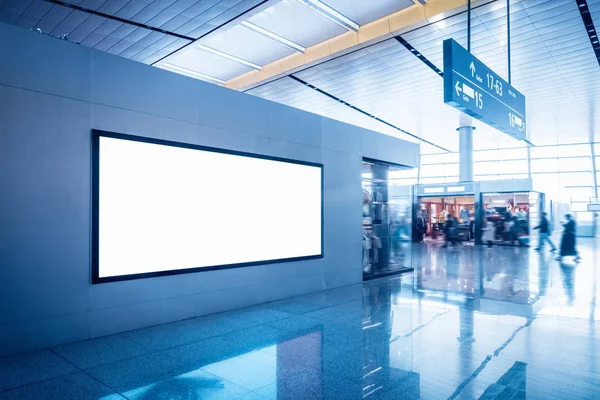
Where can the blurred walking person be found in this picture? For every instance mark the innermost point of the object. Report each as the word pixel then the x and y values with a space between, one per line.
pixel 568 243
pixel 544 228
pixel 489 233
pixel 449 231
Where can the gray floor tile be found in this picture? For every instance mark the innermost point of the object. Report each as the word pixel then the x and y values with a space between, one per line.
pixel 77 386
pixel 294 306
pixel 101 351
pixel 251 370
pixel 300 324
pixel 253 396
pixel 188 331
pixel 32 367
pixel 259 314
pixel 137 372
pixel 192 385
pixel 394 338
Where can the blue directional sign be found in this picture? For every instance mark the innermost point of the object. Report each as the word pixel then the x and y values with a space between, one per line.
pixel 473 88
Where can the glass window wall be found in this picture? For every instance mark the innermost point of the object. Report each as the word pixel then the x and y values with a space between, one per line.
pixel 570 165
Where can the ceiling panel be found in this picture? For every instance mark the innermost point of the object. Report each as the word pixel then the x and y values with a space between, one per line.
pixel 297 22
pixel 552 64
pixel 247 45
pixel 207 63
pixel 193 18
pixel 34 13
pixel 363 12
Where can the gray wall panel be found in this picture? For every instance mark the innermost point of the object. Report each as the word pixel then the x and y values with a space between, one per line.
pixel 52 93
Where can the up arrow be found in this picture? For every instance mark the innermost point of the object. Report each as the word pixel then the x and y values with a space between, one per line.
pixel 472 66
pixel 458 89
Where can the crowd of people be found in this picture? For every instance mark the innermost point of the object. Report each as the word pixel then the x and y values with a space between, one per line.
pixel 568 242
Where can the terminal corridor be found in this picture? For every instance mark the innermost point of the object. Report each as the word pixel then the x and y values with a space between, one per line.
pixel 469 323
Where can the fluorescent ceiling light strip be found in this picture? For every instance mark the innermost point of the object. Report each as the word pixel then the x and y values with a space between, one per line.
pixel 175 68
pixel 228 56
pixel 331 14
pixel 273 36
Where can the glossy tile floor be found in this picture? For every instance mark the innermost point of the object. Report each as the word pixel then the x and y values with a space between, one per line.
pixel 469 323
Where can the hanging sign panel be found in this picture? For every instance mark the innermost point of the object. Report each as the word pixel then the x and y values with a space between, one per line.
pixel 473 88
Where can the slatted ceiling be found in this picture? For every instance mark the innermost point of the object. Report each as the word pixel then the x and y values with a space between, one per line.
pixel 33 14
pixel 165 51
pixel 16 6
pixel 175 23
pixel 154 48
pixel 86 28
pixel 70 23
pixel 115 37
pixel 91 4
pixel 128 40
pixel 199 8
pixel 132 8
pixel 147 40
pixel 52 18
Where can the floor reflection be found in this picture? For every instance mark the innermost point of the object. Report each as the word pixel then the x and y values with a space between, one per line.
pixel 468 323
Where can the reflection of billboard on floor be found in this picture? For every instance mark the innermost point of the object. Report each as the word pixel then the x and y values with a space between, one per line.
pixel 162 207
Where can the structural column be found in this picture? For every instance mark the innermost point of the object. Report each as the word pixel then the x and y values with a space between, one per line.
pixel 465 153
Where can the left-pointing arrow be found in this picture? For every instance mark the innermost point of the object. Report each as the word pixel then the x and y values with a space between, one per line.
pixel 458 88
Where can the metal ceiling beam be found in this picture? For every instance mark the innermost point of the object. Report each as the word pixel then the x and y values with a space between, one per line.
pixel 417 54
pixel 331 14
pixel 118 19
pixel 274 37
pixel 590 28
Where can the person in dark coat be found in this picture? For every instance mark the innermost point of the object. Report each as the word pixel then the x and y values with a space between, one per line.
pixel 544 228
pixel 449 231
pixel 568 244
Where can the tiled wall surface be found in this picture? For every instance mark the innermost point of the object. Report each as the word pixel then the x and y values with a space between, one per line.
pixel 52 93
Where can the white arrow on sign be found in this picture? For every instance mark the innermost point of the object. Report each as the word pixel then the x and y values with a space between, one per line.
pixel 472 66
pixel 458 88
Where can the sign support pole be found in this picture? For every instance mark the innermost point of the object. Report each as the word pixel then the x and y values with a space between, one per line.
pixel 469 26
pixel 508 37
pixel 465 153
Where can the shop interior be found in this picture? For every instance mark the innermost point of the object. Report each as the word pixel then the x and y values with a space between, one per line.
pixel 386 222
pixel 435 211
pixel 511 214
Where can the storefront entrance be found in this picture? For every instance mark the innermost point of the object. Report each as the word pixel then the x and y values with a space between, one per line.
pixel 434 214
pixel 386 222
pixel 512 216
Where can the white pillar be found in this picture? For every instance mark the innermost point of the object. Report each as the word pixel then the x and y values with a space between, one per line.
pixel 465 153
